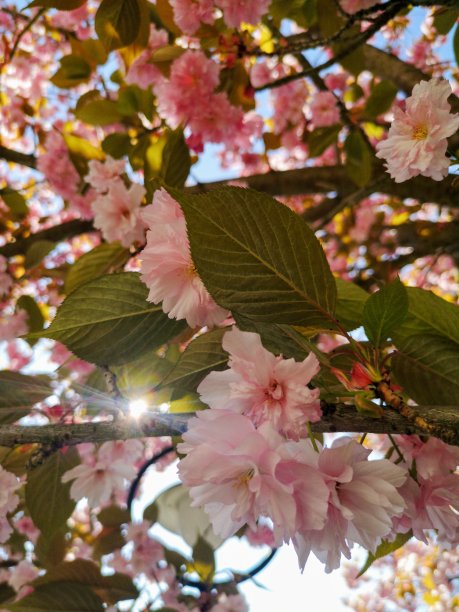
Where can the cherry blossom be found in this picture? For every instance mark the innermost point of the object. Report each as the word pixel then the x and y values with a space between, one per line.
pixel 117 214
pixel 353 6
pixel 236 12
pixel 324 109
pixel 23 573
pixel 189 14
pixel 167 268
pixel 101 175
pixel 364 498
pixel 142 72
pixel 230 469
pixel 262 386
pixel 417 137
pixel 99 481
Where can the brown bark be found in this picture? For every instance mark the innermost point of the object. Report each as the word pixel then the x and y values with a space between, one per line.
pixel 16 157
pixel 337 418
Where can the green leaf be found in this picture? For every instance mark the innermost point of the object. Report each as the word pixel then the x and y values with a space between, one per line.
pixel 59 597
pixel 427 367
pixel 73 71
pixel 80 147
pixel 104 259
pixel 321 138
pixel 151 513
pixel 456 44
pixel 384 311
pixel 15 201
pixel 113 516
pixel 278 339
pixel 203 355
pixel 350 304
pixel 50 551
pixel 60 5
pixel 109 540
pixel 117 145
pixel 204 560
pixel 132 99
pixel 108 321
pixel 111 589
pixel 380 99
pixel 47 497
pixel 384 549
pixel 98 112
pixel 176 160
pixel 7 592
pixel 35 318
pixel 37 252
pixel 18 393
pixel 118 23
pixel 444 19
pixel 358 158
pixel 137 378
pixel 176 514
pixel 257 258
pixel 429 314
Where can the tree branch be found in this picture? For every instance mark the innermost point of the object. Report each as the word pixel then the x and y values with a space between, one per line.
pixel 55 234
pixel 337 418
pixel 16 157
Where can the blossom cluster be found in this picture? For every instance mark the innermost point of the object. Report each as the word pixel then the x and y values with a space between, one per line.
pixel 249 456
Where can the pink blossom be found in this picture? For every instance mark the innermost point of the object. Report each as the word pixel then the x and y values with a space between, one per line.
pixel 98 482
pixel 102 174
pixel 260 74
pixel 364 499
pixel 19 355
pixel 262 386
pixel 433 503
pixel 167 268
pixel 353 6
pixel 336 80
pixel 324 110
pixel 9 484
pixel 230 469
pixel 142 72
pixel 117 214
pixel 23 573
pixel 261 536
pixel 193 78
pixel 433 458
pixel 417 137
pixel 147 551
pixel 26 526
pixel 189 14
pixel 236 12
pixel 231 603
pixel 288 102
pixel 13 326
pixel 127 451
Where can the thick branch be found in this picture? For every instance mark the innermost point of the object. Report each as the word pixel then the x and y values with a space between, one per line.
pixel 337 418
pixel 16 157
pixel 326 179
pixel 56 233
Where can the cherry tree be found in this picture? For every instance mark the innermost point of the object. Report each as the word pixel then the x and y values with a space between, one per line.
pixel 286 336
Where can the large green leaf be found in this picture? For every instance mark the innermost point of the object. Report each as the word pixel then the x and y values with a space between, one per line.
pixel 118 22
pixel 176 514
pixel 202 355
pixel 59 597
pixel 258 258
pixel 429 314
pixel 427 367
pixel 384 311
pixel 111 589
pixel 108 321
pixel 73 71
pixel 104 259
pixel 351 301
pixel 47 497
pixel 18 393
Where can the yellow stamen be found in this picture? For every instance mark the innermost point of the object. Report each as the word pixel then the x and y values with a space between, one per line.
pixel 244 478
pixel 420 132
